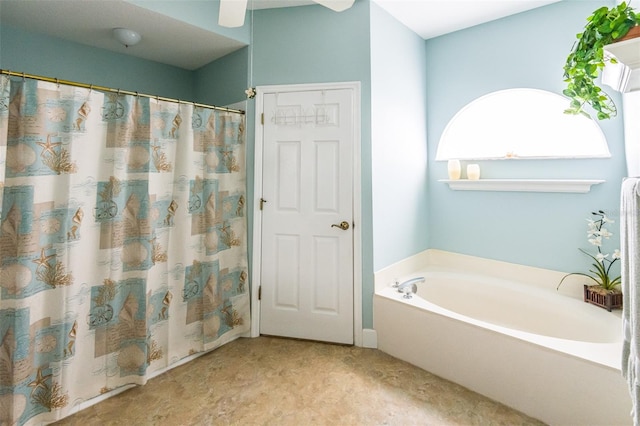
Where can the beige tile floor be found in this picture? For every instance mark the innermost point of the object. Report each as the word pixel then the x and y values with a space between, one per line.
pixel 273 381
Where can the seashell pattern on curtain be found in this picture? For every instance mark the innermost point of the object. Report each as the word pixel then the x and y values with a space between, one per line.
pixel 122 242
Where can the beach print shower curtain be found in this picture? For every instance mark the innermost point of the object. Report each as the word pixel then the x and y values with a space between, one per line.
pixel 122 241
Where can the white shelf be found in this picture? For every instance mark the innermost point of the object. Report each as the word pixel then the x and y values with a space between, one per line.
pixel 625 75
pixel 523 185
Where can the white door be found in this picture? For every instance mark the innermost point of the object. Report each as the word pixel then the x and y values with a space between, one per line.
pixel 307 215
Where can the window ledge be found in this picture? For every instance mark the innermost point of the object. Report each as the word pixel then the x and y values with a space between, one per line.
pixel 523 185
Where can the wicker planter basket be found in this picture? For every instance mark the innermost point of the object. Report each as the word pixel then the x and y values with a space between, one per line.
pixel 605 299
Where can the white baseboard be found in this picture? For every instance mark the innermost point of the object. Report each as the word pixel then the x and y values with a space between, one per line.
pixel 369 338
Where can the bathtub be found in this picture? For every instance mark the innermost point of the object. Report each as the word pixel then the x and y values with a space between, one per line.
pixel 504 331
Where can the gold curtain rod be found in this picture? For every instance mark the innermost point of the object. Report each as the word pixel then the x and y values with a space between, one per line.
pixel 118 91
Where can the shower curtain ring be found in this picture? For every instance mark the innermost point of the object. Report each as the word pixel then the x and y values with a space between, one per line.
pixel 23 78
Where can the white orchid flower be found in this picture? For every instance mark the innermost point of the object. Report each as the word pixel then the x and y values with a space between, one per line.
pixel 597 241
pixel 605 219
pixel 605 233
pixel 616 254
pixel 601 256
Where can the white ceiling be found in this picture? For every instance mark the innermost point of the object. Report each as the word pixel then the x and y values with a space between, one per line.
pixel 177 43
pixel 431 18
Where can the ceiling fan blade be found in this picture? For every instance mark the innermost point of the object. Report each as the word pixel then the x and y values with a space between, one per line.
pixel 232 13
pixel 336 5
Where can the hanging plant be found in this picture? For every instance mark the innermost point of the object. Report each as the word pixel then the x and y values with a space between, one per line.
pixel 587 59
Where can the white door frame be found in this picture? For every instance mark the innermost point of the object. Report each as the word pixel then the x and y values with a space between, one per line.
pixel 357 191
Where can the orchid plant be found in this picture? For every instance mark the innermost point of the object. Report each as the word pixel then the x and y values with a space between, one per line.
pixel 601 271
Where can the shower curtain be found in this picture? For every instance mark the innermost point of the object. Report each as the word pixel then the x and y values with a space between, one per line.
pixel 122 241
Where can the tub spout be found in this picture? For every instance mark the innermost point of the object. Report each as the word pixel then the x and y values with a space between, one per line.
pixel 410 286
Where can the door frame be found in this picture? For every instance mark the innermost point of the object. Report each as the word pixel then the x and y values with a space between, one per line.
pixel 256 264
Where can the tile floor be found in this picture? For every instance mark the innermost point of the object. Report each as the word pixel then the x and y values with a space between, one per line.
pixel 274 381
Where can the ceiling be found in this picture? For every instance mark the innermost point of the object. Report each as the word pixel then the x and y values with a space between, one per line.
pixel 431 18
pixel 177 43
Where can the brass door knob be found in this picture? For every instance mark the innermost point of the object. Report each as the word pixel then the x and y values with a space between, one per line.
pixel 344 225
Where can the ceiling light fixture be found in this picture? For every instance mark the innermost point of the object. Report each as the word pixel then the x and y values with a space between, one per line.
pixel 126 36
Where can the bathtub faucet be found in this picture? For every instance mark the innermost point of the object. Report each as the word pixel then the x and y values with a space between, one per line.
pixel 410 286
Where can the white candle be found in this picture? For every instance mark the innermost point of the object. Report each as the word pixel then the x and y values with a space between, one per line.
pixel 453 167
pixel 473 171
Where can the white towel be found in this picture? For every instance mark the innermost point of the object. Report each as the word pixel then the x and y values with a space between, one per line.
pixel 630 269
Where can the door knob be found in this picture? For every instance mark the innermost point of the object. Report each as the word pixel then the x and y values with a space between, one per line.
pixel 344 225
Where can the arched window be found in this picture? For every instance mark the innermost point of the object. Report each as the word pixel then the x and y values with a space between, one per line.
pixel 520 123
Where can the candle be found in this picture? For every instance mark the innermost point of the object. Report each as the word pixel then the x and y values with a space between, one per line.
pixel 473 171
pixel 453 167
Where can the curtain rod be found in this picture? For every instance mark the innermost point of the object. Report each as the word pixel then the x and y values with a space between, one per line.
pixel 118 91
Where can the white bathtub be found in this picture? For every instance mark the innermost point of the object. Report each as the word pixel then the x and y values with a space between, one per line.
pixel 520 342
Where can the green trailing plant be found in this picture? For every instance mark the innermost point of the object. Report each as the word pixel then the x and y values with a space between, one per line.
pixel 587 59
pixel 601 271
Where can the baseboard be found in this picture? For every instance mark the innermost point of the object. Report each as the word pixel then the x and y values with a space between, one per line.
pixel 369 338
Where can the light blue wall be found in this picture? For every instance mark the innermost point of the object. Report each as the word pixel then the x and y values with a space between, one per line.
pixel 223 82
pixel 33 53
pixel 312 44
pixel 537 229
pixel 398 139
